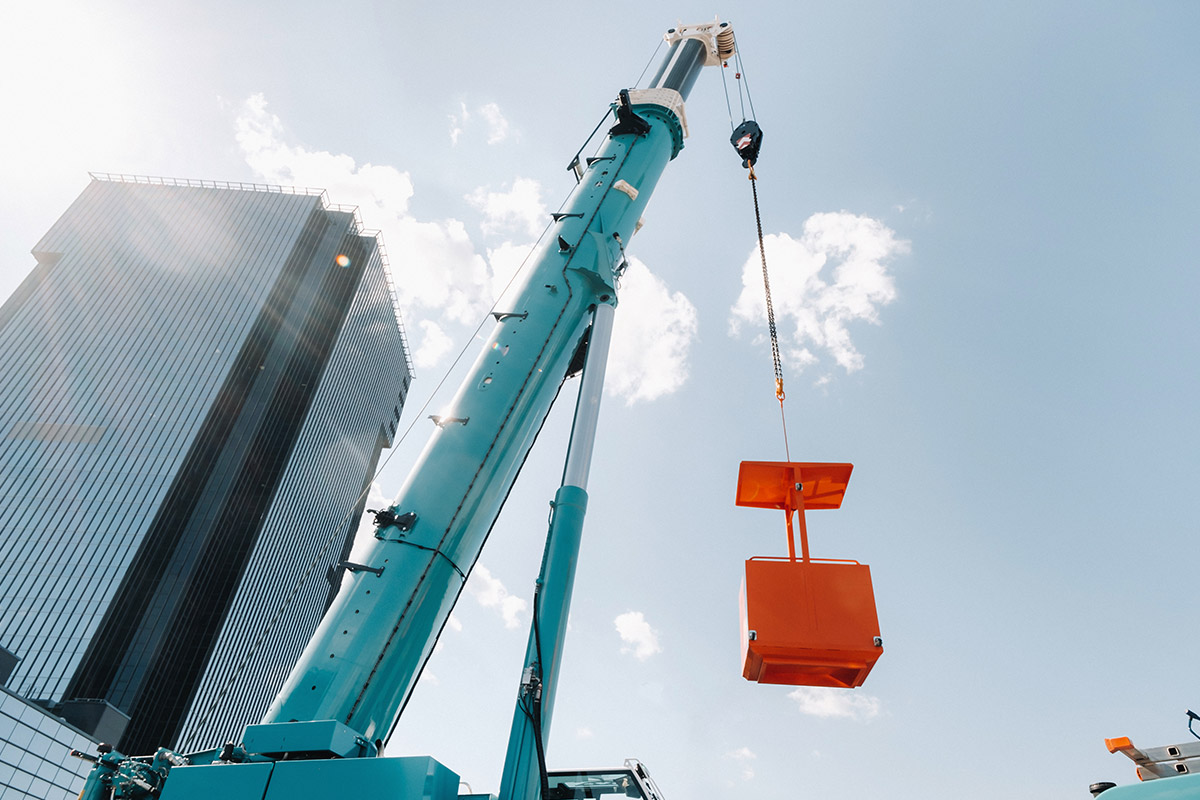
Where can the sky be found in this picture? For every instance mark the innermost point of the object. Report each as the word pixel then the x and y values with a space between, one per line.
pixel 980 221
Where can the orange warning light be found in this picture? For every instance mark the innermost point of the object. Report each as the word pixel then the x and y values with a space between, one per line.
pixel 805 621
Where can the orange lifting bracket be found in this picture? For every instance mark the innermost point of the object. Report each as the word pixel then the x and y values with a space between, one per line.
pixel 772 484
pixel 809 622
pixel 792 486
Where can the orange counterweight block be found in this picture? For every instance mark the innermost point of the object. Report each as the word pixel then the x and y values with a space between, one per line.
pixel 808 622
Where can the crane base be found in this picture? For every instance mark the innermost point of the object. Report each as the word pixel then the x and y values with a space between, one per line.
pixel 408 778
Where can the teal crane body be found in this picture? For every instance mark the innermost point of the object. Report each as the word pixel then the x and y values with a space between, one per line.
pixel 367 654
pixel 1180 787
pixel 321 735
pixel 530 729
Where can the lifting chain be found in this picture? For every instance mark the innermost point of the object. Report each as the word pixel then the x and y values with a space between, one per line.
pixel 762 252
pixel 747 140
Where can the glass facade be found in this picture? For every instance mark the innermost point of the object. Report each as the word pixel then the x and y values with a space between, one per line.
pixel 35 753
pixel 198 382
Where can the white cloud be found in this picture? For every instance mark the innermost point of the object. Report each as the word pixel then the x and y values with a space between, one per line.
pixel 453 624
pixel 519 210
pixel 638 637
pixel 505 261
pixel 437 269
pixel 834 274
pixel 490 592
pixel 915 209
pixel 743 756
pixel 442 281
pixel 845 703
pixel 498 127
pixel 456 123
pixel 652 334
pixel 434 344
pixel 497 124
pixel 260 135
pixel 583 732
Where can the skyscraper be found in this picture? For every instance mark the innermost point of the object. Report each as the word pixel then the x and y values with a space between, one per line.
pixel 196 381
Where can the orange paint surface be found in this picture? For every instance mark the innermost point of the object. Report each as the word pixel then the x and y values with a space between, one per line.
pixel 814 623
pixel 771 484
pixel 1120 743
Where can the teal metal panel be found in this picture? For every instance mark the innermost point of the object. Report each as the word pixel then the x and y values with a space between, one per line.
pixel 522 777
pixel 321 736
pixel 411 778
pixel 1182 787
pixel 218 782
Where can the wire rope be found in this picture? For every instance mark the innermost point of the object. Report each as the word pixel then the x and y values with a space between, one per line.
pixel 646 68
pixel 741 71
pixel 725 86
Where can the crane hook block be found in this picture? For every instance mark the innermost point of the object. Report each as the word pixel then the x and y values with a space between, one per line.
pixel 747 140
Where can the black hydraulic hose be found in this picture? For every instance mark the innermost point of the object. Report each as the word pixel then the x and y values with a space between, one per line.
pixel 537 697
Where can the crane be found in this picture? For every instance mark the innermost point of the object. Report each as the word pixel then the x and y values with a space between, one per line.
pixel 323 735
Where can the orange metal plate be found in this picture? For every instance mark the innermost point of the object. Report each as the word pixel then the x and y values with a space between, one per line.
pixel 770 484
pixel 815 623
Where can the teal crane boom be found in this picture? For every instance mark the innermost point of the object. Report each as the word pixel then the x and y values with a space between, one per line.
pixel 361 665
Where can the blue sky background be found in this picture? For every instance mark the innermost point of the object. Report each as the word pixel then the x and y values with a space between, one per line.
pixel 1016 187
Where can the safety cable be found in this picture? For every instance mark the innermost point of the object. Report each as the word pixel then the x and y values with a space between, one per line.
pixel 648 63
pixel 574 165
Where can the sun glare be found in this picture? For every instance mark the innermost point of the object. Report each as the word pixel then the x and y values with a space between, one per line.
pixel 63 71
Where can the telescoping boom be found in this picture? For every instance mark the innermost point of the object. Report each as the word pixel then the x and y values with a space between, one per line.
pixel 321 736
pixel 363 661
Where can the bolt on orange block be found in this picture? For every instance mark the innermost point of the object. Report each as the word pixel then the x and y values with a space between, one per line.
pixel 808 622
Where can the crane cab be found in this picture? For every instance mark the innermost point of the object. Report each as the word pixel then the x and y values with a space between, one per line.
pixel 805 621
pixel 632 780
